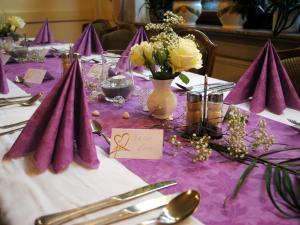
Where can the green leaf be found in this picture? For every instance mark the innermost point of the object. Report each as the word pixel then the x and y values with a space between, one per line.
pixel 277 151
pixel 240 182
pixel 184 78
pixel 289 188
pixel 278 186
pixel 268 178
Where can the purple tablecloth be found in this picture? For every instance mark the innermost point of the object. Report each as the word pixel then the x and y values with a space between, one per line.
pixel 215 179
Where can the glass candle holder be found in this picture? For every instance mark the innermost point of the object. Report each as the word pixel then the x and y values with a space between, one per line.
pixel 117 79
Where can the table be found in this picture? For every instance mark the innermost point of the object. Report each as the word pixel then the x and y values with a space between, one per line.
pixel 215 179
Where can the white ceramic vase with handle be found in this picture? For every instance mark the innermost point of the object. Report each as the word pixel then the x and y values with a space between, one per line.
pixel 232 20
pixel 189 10
pixel 162 101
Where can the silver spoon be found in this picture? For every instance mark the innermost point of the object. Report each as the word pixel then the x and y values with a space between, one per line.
pixel 178 209
pixel 28 102
pixel 20 80
pixel 97 129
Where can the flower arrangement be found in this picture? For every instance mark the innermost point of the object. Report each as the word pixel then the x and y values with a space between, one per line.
pixel 9 26
pixel 252 148
pixel 167 54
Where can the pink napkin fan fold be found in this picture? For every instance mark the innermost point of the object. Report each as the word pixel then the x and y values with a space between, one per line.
pixel 89 42
pixel 52 132
pixel 265 84
pixel 123 64
pixel 45 35
pixel 3 80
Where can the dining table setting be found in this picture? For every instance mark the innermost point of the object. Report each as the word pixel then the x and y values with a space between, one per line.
pixel 81 144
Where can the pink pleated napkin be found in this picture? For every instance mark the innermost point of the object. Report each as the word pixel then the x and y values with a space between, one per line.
pixel 124 62
pixel 45 35
pixel 59 130
pixel 265 84
pixel 3 81
pixel 89 42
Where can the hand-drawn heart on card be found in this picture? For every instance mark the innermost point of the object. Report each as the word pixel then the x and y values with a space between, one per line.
pixel 121 141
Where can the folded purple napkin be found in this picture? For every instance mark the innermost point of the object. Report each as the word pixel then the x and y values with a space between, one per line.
pixel 88 42
pixel 265 84
pixel 60 128
pixel 124 62
pixel 3 81
pixel 44 36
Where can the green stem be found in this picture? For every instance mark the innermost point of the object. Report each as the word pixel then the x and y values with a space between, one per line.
pixel 264 161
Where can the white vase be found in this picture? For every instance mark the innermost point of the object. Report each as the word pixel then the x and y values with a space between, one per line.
pixel 231 21
pixel 162 101
pixel 294 28
pixel 189 10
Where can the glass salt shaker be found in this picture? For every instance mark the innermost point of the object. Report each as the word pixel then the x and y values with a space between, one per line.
pixel 66 62
pixel 214 115
pixel 193 114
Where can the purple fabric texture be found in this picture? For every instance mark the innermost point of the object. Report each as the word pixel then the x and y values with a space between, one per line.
pixel 268 83
pixel 3 81
pixel 214 179
pixel 88 42
pixel 123 64
pixel 45 35
pixel 59 127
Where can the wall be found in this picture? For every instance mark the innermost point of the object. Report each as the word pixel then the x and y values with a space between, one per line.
pixel 65 16
pixel 236 52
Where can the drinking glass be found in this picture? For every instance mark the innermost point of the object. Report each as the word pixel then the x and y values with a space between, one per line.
pixel 117 79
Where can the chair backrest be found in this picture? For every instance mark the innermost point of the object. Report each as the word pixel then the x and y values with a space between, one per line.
pixel 101 26
pixel 290 58
pixel 207 48
pixel 117 40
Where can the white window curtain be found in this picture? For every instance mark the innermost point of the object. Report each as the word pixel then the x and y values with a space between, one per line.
pixel 130 11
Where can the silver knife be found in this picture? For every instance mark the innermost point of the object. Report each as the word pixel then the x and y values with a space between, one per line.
pixel 13 124
pixel 12 131
pixel 62 217
pixel 131 211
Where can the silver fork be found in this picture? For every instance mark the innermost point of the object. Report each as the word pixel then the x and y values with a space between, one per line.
pixel 294 122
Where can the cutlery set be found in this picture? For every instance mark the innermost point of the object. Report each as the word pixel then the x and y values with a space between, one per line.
pixel 24 100
pixel 190 197
pixel 215 87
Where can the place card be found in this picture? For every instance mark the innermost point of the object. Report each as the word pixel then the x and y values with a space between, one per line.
pixel 95 70
pixel 35 76
pixel 136 143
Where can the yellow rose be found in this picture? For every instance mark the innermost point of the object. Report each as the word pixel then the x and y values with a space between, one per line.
pixel 147 51
pixel 12 28
pixel 136 55
pixel 185 56
pixel 16 21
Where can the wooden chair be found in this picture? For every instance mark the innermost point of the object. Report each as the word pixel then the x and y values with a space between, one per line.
pixel 102 27
pixel 290 58
pixel 119 38
pixel 207 48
